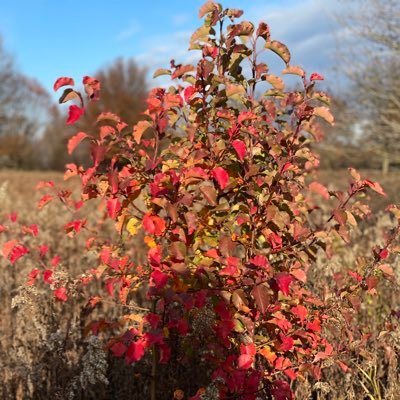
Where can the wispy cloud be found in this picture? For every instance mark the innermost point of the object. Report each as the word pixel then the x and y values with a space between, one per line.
pixel 159 50
pixel 310 30
pixel 180 19
pixel 129 32
pixel 307 27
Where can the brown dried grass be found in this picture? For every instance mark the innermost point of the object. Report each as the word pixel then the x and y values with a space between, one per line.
pixel 44 355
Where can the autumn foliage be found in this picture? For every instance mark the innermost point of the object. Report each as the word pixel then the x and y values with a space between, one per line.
pixel 217 180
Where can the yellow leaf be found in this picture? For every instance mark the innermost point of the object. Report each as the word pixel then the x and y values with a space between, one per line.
pixel 324 113
pixel 268 354
pixel 170 164
pixel 102 188
pixel 150 241
pixel 294 70
pixel 139 129
pixel 275 81
pixel 133 226
pixel 280 49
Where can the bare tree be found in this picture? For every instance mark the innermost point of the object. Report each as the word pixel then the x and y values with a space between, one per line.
pixel 24 105
pixel 123 92
pixel 373 65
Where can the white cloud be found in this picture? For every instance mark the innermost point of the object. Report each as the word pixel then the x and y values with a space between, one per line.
pixel 129 32
pixel 307 27
pixel 310 30
pixel 180 19
pixel 161 49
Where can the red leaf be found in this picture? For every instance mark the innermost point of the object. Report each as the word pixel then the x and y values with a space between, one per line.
pixel 222 310
pixel 246 116
pixel 8 246
pixel 55 261
pixel 92 87
pixel 300 312
pixel 47 274
pixel 113 207
pixel 44 184
pixel 221 176
pixel 160 279
pixel 317 187
pixel 182 327
pixel 154 256
pixel 375 186
pixel 384 254
pixel 299 274
pixel 210 194
pixel 32 276
pixel 249 349
pixel 44 200
pixel 281 390
pixel 262 297
pixel 287 343
pixel 118 349
pixel 98 153
pixel 283 279
pixel 63 81
pixel 75 140
pixel 275 241
pixel 343 366
pixel 61 294
pixel 240 148
pixel 315 325
pixel 74 113
pixel 261 261
pixel 74 226
pixel 245 361
pixel 17 252
pixel 316 77
pixel 188 93
pixel 32 230
pixel 290 372
pixel 13 216
pixel 154 224
pixel 135 352
pixel 282 363
pixel 152 319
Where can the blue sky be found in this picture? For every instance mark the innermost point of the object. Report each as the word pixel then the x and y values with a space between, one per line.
pixel 51 38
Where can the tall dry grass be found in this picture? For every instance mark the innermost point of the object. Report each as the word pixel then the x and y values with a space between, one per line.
pixel 45 353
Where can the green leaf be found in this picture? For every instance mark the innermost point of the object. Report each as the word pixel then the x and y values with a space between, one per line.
pixel 70 94
pixel 275 81
pixel 233 90
pixel 280 49
pixel 322 97
pixel 209 7
pixel 245 28
pixel 161 71
pixel 293 70
pixel 199 35
pixel 274 93
pixel 324 113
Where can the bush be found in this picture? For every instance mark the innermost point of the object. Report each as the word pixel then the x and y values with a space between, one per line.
pixel 218 227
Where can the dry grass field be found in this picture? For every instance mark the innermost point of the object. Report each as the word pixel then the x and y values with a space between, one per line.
pixel 45 355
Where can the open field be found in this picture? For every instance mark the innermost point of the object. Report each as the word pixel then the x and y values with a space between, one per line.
pixel 43 353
